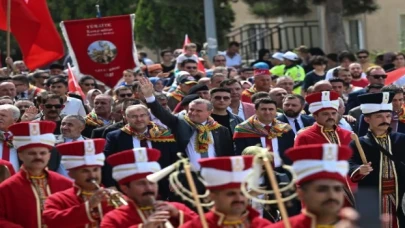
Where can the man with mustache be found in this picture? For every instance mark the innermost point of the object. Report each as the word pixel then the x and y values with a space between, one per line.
pixel 322 170
pixel 22 196
pixel 384 152
pixel 82 205
pixel 223 177
pixel 130 170
pixel 324 108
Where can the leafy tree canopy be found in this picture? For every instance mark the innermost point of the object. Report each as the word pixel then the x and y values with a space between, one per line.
pixel 163 24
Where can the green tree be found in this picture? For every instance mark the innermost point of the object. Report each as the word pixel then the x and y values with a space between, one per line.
pixel 334 12
pixel 163 24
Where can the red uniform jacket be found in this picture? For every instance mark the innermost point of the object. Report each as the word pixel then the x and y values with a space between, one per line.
pixel 19 201
pixel 314 135
pixel 68 209
pixel 303 220
pixel 215 220
pixel 8 165
pixel 247 95
pixel 132 216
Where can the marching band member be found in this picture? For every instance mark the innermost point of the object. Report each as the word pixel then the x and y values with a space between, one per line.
pixel 82 205
pixel 224 176
pixel 22 196
pixel 323 106
pixel 384 152
pixel 130 169
pixel 321 176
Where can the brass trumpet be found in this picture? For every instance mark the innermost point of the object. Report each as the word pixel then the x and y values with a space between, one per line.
pixel 191 196
pixel 115 198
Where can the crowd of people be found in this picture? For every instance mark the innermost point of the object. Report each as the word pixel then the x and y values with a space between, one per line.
pixel 69 161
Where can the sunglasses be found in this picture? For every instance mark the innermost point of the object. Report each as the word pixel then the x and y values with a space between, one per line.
pixel 218 98
pixel 362 56
pixel 49 106
pixel 88 84
pixel 220 60
pixel 379 76
pixel 126 95
pixel 191 68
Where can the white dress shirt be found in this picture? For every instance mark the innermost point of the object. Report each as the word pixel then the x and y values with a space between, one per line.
pixel 241 114
pixel 193 155
pixel 236 60
pixel 73 106
pixel 136 143
pixel 71 140
pixel 345 125
pixel 13 155
pixel 274 143
pixel 292 124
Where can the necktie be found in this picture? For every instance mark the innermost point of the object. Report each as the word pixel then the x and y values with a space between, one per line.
pixel 297 126
pixel 6 148
pixel 144 143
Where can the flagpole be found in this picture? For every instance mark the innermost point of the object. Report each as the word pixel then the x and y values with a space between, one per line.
pixel 8 27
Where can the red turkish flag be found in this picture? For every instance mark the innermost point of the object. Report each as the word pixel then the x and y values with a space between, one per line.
pixel 200 64
pixel 395 75
pixel 34 30
pixel 73 85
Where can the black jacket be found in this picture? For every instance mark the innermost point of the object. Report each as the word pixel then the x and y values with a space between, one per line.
pixel 183 131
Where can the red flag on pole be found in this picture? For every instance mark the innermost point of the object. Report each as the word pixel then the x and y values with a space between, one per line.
pixel 200 64
pixel 73 85
pixel 34 30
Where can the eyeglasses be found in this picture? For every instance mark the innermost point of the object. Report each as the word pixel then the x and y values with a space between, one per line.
pixel 191 68
pixel 362 56
pixel 218 98
pixel 220 60
pixel 126 95
pixel 379 76
pixel 88 84
pixel 49 106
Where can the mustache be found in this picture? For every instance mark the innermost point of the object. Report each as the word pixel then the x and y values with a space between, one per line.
pixel 383 124
pixel 330 119
pixel 148 193
pixel 238 202
pixel 330 201
pixel 38 160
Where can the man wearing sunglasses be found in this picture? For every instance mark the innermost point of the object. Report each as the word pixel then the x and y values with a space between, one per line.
pixel 221 99
pixel 375 75
pixel 122 93
pixel 51 107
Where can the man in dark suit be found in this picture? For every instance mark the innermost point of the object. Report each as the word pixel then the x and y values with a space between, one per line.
pixel 197 134
pixel 101 116
pixel 265 130
pixel 140 132
pixel 375 75
pixel 292 109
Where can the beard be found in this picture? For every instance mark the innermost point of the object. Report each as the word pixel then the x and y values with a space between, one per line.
pixel 356 76
pixel 291 113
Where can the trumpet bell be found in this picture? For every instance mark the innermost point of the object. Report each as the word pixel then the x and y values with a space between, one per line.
pixel 156 177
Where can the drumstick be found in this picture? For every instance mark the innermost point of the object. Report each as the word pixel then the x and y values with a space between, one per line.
pixel 359 148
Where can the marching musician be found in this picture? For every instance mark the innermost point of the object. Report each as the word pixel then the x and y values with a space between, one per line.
pixel 321 176
pixel 224 176
pixel 323 106
pixel 384 151
pixel 82 205
pixel 130 169
pixel 22 196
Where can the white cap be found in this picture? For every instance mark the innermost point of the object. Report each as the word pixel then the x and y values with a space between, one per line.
pixel 290 56
pixel 278 55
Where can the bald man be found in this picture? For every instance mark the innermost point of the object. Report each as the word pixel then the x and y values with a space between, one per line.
pixel 140 131
pixel 323 85
pixel 277 95
pixel 286 83
pixel 8 89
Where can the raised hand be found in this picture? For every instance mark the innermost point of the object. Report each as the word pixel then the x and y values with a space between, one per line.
pixel 29 114
pixel 146 87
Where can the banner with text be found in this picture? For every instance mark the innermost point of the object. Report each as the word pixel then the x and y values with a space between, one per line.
pixel 102 47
